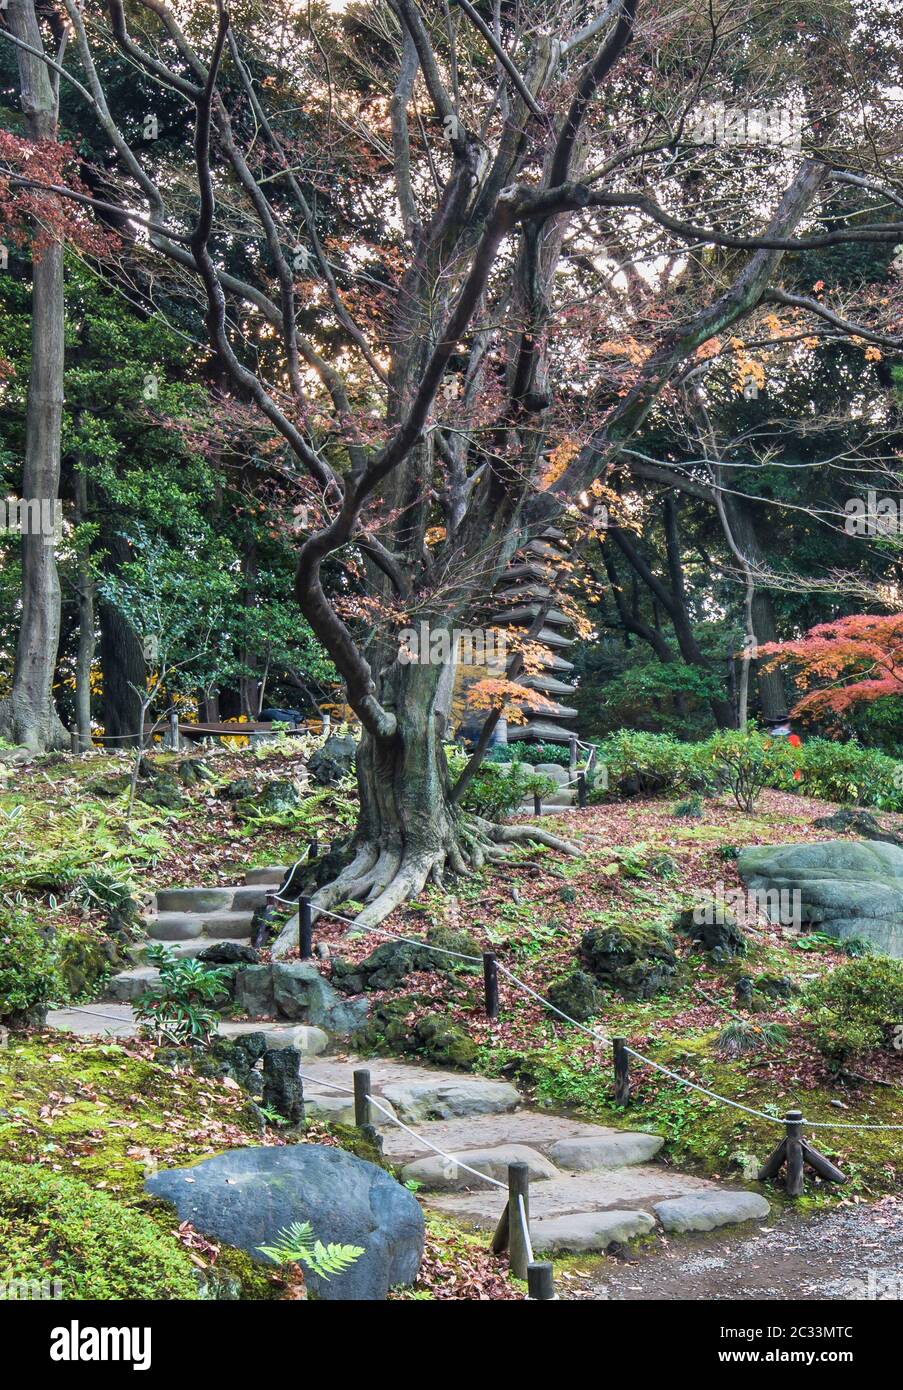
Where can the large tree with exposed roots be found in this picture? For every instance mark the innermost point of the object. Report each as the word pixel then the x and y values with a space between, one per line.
pixel 439 206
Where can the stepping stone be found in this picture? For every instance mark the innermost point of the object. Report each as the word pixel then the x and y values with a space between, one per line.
pixel 181 949
pixel 339 1110
pixel 615 1189
pixel 175 926
pixel 115 1020
pixel 194 899
pixel 440 1100
pixel 703 1211
pixel 273 875
pixel 233 926
pixel 587 1230
pixel 607 1151
pixel 309 1041
pixel 128 984
pixel 535 1129
pixel 439 1175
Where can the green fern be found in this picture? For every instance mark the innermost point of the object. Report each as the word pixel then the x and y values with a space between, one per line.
pixel 295 1244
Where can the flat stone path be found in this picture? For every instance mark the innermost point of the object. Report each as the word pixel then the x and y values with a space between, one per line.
pixel 590 1184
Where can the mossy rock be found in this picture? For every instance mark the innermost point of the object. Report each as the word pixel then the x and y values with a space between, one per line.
pixel 162 791
pixel 53 1227
pixel 712 928
pixel 84 962
pixel 576 995
pixel 636 961
pixel 238 790
pixel 389 965
pixel 434 1036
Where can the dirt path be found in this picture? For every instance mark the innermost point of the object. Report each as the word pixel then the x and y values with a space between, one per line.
pixel 853 1252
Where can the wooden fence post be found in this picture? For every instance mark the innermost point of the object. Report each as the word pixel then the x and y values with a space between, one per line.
pixel 362 1099
pixel 491 984
pixel 540 1281
pixel 518 1187
pixel 622 1071
pixel 305 929
pixel 174 730
pixel 581 789
pixel 537 804
pixel 794 1153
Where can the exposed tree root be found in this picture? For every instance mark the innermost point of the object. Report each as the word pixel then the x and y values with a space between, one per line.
pixel 383 877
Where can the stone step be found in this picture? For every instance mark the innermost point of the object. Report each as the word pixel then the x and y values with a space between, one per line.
pixel 273 875
pixel 128 984
pixel 181 949
pixel 616 1189
pixel 536 1129
pixel 174 926
pixel 248 898
pixel 437 1174
pixel 194 900
pixel 229 926
pixel 118 1020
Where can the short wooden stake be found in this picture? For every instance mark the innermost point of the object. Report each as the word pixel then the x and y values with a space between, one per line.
pixel 491 984
pixel 572 757
pixel 362 1099
pixel 794 1153
pixel 622 1071
pixel 581 788
pixel 305 929
pixel 537 804
pixel 312 849
pixel 540 1281
pixel 518 1187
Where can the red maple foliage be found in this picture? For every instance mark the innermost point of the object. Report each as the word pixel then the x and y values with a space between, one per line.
pixel 29 171
pixel 851 661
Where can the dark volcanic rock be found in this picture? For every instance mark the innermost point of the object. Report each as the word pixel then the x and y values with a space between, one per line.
pixel 637 962
pixel 576 995
pixel 282 1089
pixel 714 929
pixel 248 1197
pixel 334 760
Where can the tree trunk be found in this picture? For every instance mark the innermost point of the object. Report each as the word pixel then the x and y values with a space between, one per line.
pixel 29 715
pixel 409 831
pixel 85 654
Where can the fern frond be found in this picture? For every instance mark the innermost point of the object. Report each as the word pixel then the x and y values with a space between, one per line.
pixel 296 1244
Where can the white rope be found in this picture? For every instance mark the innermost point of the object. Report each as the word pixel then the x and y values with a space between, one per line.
pixel 380 931
pixel 760 1114
pixel 829 1124
pixel 333 1086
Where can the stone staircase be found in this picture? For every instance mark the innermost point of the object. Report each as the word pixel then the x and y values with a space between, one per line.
pixel 589 1184
pixel 189 920
pixel 555 801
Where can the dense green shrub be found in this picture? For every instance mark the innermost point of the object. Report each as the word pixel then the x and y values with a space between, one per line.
pixel 28 969
pixel 856 1006
pixel 850 774
pixel 638 763
pixel 533 753
pixel 494 794
pixel 747 761
pixel 52 1227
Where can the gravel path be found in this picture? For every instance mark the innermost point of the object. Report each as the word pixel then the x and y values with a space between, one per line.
pixel 853 1252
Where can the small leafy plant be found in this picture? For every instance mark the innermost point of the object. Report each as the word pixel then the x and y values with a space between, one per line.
pixel 296 1244
pixel 181 1008
pixel 741 1037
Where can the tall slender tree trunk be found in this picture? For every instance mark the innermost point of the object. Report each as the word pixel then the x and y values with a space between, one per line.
pixel 86 641
pixel 29 715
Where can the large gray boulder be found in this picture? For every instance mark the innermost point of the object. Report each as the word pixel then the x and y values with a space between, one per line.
pixel 329 764
pixel 247 1197
pixel 846 887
